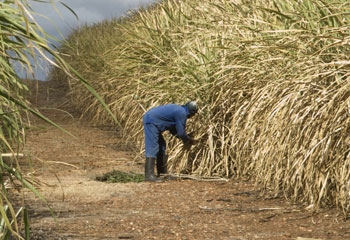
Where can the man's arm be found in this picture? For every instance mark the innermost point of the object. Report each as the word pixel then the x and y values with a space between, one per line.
pixel 181 130
pixel 173 131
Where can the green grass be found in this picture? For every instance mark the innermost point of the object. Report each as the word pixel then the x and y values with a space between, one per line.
pixel 116 176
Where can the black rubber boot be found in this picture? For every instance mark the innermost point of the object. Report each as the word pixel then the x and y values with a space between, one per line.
pixel 149 170
pixel 162 167
pixel 162 161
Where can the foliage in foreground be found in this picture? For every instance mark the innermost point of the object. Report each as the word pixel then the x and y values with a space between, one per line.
pixel 272 78
pixel 21 39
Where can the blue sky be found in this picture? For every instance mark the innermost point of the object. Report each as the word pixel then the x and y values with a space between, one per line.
pixel 88 11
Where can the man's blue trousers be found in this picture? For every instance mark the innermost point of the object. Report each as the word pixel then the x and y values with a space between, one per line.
pixel 154 141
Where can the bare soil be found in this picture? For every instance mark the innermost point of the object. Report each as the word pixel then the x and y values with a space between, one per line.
pixel 65 170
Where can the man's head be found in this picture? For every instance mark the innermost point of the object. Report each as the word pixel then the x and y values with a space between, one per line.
pixel 192 108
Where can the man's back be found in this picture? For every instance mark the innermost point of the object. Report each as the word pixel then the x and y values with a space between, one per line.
pixel 165 115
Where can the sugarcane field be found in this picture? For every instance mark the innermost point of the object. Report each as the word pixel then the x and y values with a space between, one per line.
pixel 68 173
pixel 228 119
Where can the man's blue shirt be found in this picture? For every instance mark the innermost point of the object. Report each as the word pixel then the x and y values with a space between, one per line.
pixel 170 117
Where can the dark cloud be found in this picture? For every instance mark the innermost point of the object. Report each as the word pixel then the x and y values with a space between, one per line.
pixel 59 21
pixel 88 12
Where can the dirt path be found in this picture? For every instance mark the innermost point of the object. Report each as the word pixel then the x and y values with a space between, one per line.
pixel 180 209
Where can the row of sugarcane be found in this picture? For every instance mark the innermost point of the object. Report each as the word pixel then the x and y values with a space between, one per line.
pixel 271 79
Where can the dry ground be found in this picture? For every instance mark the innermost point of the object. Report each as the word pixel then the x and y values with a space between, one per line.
pixel 178 209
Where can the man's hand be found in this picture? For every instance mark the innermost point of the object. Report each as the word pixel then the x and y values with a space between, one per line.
pixel 190 141
pixel 193 141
